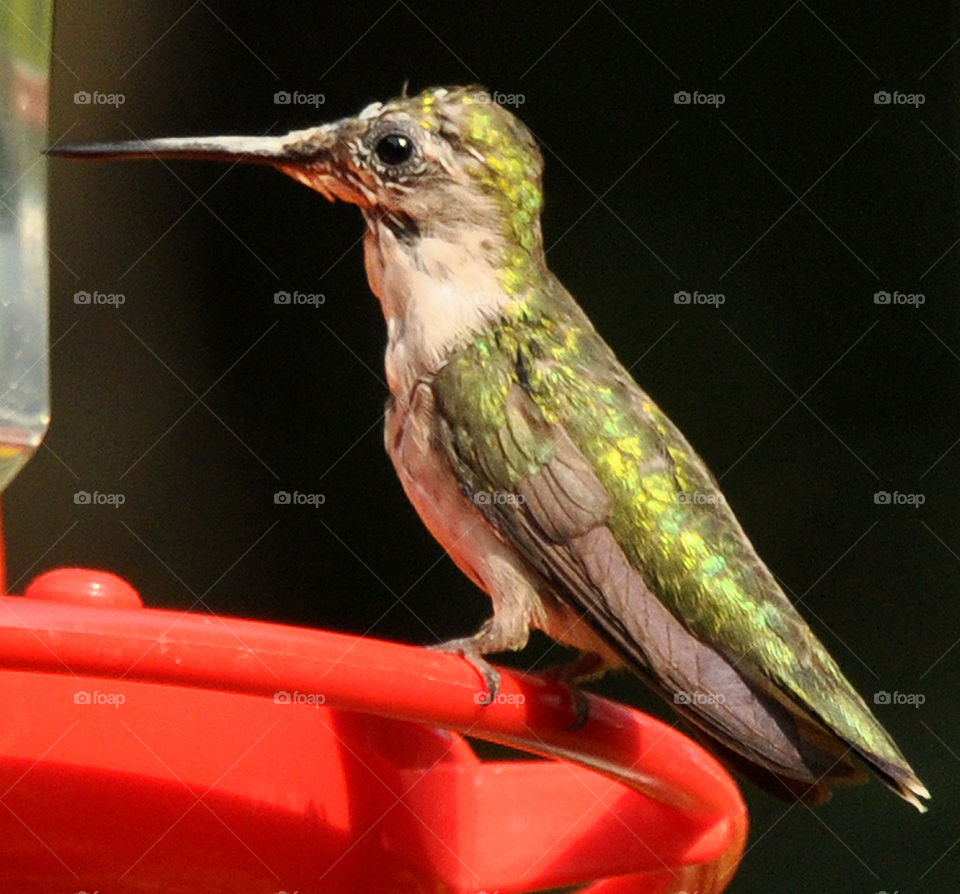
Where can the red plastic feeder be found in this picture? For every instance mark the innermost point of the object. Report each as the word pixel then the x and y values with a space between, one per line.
pixel 146 750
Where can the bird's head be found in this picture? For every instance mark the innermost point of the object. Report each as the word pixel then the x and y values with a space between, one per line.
pixel 446 158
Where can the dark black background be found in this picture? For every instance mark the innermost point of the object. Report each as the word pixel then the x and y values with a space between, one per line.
pixel 803 395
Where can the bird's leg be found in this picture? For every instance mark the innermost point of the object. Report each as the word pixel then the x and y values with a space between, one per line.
pixel 501 633
pixel 584 666
pixel 516 607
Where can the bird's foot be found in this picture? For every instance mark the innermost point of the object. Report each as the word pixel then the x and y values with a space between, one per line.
pixel 584 666
pixel 467 648
pixel 578 702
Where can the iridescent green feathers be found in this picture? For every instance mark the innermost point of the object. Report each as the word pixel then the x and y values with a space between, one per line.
pixel 602 507
pixel 541 395
pixel 503 161
pixel 611 508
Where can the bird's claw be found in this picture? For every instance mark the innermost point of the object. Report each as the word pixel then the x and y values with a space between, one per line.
pixel 491 677
pixel 581 708
pixel 582 667
pixel 578 698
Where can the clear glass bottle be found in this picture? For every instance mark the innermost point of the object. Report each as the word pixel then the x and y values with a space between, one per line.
pixel 26 28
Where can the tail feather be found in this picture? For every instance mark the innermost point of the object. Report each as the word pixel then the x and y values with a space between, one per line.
pixel 899 778
pixel 829 761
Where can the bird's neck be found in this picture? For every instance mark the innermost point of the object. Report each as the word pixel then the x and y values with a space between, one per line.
pixel 438 291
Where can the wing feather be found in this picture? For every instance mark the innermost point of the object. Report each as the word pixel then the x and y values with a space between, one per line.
pixel 597 473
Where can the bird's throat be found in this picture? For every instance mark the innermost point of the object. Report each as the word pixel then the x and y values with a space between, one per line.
pixel 438 291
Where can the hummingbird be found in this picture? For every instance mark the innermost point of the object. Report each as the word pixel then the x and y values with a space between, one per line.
pixel 549 476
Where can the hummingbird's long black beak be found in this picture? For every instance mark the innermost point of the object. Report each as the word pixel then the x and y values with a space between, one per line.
pixel 309 156
pixel 302 146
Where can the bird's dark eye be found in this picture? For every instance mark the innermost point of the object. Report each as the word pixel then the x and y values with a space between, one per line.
pixel 394 149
